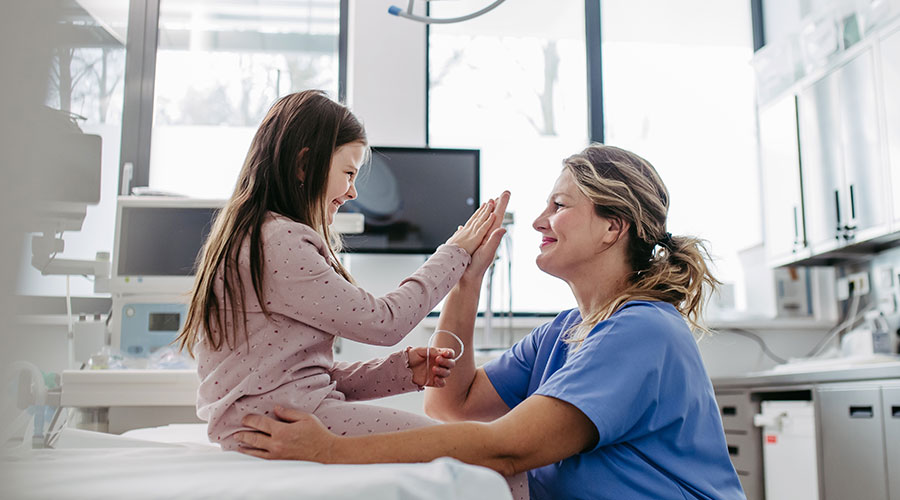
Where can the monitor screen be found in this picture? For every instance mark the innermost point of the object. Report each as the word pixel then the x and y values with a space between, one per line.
pixel 161 241
pixel 413 199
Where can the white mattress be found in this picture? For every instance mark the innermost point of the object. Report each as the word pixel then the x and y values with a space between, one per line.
pixel 173 462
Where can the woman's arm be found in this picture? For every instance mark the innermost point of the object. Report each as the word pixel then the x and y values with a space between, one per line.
pixel 540 431
pixel 468 394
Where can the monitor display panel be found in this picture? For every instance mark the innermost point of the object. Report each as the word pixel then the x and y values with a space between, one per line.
pixel 157 242
pixel 413 199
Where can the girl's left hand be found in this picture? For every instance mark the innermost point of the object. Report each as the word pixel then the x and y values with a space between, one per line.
pixel 440 362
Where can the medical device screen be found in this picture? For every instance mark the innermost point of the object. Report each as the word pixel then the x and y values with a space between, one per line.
pixel 413 198
pixel 162 241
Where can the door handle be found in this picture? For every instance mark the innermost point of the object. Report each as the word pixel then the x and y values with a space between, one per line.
pixel 895 411
pixel 796 229
pixel 861 412
pixel 837 209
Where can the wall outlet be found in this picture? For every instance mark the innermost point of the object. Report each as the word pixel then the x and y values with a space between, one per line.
pixel 860 283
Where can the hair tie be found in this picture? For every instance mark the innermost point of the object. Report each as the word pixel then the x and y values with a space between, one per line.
pixel 665 241
pixel 428 347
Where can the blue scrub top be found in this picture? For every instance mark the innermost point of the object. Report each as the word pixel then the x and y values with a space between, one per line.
pixel 639 378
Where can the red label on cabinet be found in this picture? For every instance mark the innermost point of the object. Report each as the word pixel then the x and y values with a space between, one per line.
pixel 771 439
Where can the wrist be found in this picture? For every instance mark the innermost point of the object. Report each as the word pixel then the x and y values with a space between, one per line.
pixel 470 284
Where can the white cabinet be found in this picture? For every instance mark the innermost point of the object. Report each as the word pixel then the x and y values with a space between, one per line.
pixel 890 402
pixel 789 450
pixel 890 74
pixel 853 443
pixel 785 232
pixel 840 153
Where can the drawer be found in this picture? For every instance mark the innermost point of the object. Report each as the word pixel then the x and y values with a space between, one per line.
pixel 737 411
pixel 753 486
pixel 745 451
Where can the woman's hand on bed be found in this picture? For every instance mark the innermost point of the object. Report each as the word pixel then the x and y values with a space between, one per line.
pixel 436 370
pixel 297 436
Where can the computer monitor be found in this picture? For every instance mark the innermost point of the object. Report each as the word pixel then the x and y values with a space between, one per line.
pixel 157 242
pixel 413 199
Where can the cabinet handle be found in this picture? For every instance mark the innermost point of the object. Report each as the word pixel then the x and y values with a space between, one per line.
pixel 837 209
pixel 796 228
pixel 861 412
pixel 895 411
pixel 852 205
pixel 733 450
pixel 729 411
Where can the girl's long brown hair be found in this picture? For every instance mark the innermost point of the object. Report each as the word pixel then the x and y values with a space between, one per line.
pixel 666 268
pixel 268 182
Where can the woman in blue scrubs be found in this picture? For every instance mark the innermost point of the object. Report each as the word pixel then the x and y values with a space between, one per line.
pixel 608 400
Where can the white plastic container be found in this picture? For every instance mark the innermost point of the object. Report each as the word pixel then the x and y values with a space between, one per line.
pixel 789 450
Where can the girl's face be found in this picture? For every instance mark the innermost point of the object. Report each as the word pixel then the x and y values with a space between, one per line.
pixel 341 183
pixel 574 236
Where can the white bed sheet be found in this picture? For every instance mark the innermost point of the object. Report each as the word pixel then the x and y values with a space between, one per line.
pixel 94 466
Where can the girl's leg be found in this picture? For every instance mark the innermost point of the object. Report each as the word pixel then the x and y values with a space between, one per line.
pixel 355 419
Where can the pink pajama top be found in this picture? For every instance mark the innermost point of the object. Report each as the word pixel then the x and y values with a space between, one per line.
pixel 290 360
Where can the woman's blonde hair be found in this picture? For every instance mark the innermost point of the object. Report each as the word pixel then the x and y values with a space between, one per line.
pixel 301 131
pixel 666 268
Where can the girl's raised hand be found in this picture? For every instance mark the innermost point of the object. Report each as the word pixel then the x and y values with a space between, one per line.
pixel 470 236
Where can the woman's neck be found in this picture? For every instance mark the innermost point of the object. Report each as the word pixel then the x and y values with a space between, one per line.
pixel 593 291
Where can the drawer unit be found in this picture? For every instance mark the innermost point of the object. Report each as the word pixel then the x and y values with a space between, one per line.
pixel 853 445
pixel 737 411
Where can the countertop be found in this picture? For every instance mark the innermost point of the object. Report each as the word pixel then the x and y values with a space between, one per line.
pixel 837 371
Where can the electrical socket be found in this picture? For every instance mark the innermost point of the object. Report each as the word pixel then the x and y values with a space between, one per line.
pixel 860 285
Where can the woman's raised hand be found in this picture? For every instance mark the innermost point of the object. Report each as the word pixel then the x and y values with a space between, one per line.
pixel 470 236
pixel 484 254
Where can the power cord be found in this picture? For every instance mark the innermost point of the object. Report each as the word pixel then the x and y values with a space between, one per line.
pixel 756 338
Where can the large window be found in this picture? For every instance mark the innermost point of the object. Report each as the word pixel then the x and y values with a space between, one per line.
pixel 219 66
pixel 513 84
pixel 678 90
pixel 86 79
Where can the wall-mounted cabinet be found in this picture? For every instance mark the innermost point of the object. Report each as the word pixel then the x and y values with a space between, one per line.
pixel 840 150
pixel 890 75
pixel 830 157
pixel 785 231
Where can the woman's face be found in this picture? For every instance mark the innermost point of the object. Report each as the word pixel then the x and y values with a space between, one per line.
pixel 341 184
pixel 574 236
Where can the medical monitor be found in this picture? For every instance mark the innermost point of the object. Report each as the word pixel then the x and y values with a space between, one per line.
pixel 157 242
pixel 413 199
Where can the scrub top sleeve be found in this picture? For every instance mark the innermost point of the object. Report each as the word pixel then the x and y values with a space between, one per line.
pixel 613 379
pixel 510 373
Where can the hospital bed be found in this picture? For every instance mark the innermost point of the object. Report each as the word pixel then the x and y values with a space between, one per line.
pixel 177 461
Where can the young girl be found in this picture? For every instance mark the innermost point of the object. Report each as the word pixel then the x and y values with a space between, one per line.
pixel 271 295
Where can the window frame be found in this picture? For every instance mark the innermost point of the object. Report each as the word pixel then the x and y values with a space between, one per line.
pixel 140 78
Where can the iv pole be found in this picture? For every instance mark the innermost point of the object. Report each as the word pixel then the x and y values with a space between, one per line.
pixel 397 11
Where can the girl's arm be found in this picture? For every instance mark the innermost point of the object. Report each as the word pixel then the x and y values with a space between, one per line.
pixel 539 431
pixel 301 284
pixel 400 372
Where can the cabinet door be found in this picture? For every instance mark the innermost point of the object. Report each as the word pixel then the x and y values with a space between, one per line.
pixel 780 157
pixel 821 158
pixel 864 194
pixel 890 400
pixel 852 443
pixel 890 73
